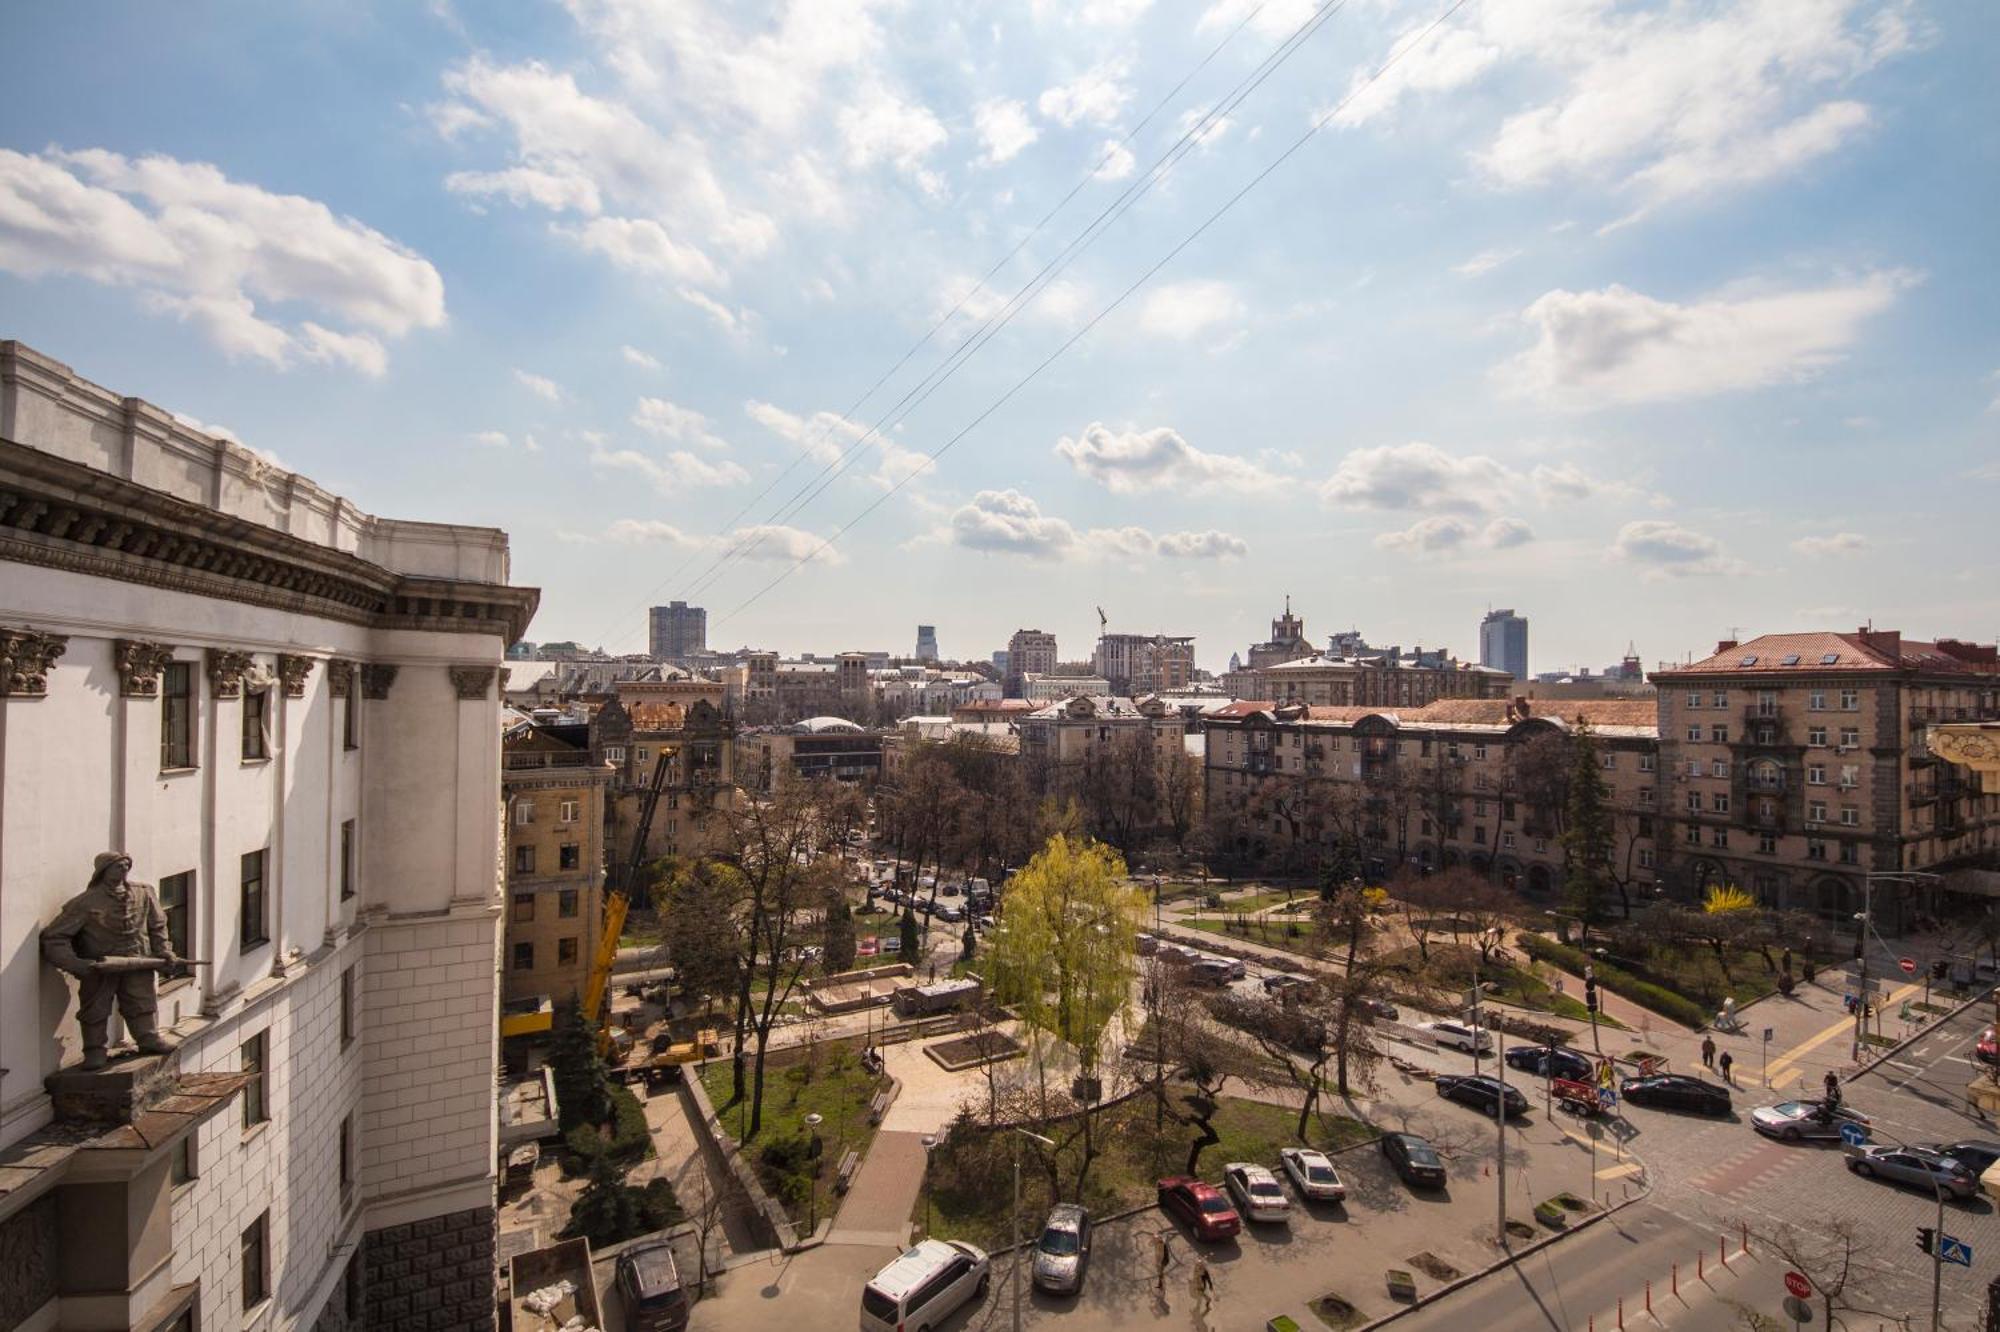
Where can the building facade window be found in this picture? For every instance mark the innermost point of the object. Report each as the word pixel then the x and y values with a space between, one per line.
pixel 1718 735
pixel 181 1170
pixel 569 856
pixel 1719 838
pixel 566 903
pixel 1646 762
pixel 1815 774
pixel 177 715
pixel 1850 700
pixel 1721 698
pixel 524 860
pixel 347 1022
pixel 524 908
pixel 524 957
pixel 1850 816
pixel 524 812
pixel 566 812
pixel 1694 802
pixel 1767 844
pixel 1645 858
pixel 252 901
pixel 1850 737
pixel 256 1262
pixel 1816 812
pixel 1718 767
pixel 254 1056
pixel 346 860
pixel 177 902
pixel 566 951
pixel 1694 734
pixel 1850 853
pixel 346 1176
pixel 1816 700
pixel 1815 849
pixel 1719 802
pixel 1816 736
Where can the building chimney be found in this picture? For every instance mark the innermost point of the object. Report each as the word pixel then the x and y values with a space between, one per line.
pixel 1521 706
pixel 1726 645
pixel 1888 642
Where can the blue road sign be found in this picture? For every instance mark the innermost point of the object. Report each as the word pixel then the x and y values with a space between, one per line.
pixel 1954 1250
pixel 1853 1134
pixel 1606 1098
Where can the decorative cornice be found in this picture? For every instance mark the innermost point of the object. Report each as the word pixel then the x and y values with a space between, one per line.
pixel 25 658
pixel 506 674
pixel 1970 745
pixel 139 666
pixel 226 669
pixel 59 514
pixel 293 672
pixel 472 682
pixel 340 677
pixel 376 677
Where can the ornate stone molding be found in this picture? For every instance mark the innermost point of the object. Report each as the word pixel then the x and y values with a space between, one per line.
pixel 25 658
pixel 226 669
pixel 292 671
pixel 506 674
pixel 1969 744
pixel 472 682
pixel 340 677
pixel 376 677
pixel 139 666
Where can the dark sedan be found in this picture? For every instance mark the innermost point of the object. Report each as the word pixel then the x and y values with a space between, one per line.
pixel 1481 1093
pixel 1414 1159
pixel 1546 1061
pixel 1675 1091
pixel 1975 1154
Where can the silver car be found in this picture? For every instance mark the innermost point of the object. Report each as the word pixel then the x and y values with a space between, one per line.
pixel 1915 1165
pixel 1312 1174
pixel 1063 1250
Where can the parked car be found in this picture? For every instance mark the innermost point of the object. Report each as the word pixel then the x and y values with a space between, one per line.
pixel 866 947
pixel 951 890
pixel 1381 1008
pixel 1209 971
pixel 1146 945
pixel 1459 1036
pixel 1312 1174
pixel 1987 1049
pixel 1256 1192
pixel 1975 1154
pixel 651 1286
pixel 1805 1121
pixel 923 1286
pixel 1482 1093
pixel 1414 1159
pixel 1927 1170
pixel 1550 1062
pixel 892 944
pixel 1201 1205
pixel 1676 1091
pixel 951 915
pixel 1063 1250
pixel 1278 983
pixel 1237 971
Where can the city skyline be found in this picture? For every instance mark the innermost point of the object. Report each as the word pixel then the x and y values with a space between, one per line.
pixel 516 274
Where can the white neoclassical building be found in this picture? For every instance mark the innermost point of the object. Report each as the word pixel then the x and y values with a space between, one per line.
pixel 285 711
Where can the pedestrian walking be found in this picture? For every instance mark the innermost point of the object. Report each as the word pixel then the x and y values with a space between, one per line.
pixel 1832 1087
pixel 1204 1284
pixel 1726 1062
pixel 1708 1052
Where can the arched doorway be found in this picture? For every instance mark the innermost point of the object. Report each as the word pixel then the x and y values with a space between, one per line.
pixel 1540 881
pixel 1833 898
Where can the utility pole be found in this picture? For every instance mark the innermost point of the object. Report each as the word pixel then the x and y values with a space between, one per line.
pixel 1861 976
pixel 1500 1123
pixel 1015 1277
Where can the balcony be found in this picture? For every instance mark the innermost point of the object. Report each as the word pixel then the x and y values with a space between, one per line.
pixel 525 762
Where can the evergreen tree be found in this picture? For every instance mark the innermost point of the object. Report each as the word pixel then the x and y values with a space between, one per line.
pixel 1587 833
pixel 837 932
pixel 908 933
pixel 607 1210
pixel 583 1086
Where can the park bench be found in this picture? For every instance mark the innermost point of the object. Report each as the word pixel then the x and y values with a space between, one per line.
pixel 844 1176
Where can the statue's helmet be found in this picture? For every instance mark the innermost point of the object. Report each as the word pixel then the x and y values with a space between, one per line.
pixel 106 859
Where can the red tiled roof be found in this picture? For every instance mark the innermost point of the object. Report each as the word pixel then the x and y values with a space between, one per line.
pixel 1244 707
pixel 1775 654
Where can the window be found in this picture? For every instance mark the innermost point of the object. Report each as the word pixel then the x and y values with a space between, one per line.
pixel 1850 816
pixel 1815 774
pixel 1816 700
pixel 1609 761
pixel 256 1271
pixel 566 812
pixel 566 903
pixel 524 908
pixel 569 856
pixel 1694 734
pixel 346 1154
pixel 639 755
pixel 1541 844
pixel 1479 809
pixel 1767 844
pixel 1645 858
pixel 1645 795
pixel 183 1321
pixel 1816 812
pixel 1694 802
pixel 256 930
pixel 1850 775
pixel 1718 767
pixel 177 715
pixel 1816 736
pixel 350 720
pixel 524 812
pixel 1694 767
pixel 1719 802
pixel 1479 751
pixel 1507 840
pixel 1719 837
pixel 614 754
pixel 1645 825
pixel 1767 703
pixel 1646 762
pixel 1718 735
pixel 566 951
pixel 1721 699
pixel 1694 833
pixel 524 860
pixel 1850 700
pixel 176 900
pixel 1815 849
pixel 254 1056
pixel 1479 836
pixel 1850 853
pixel 1850 737
pixel 1695 698
pixel 347 860
pixel 256 703
pixel 181 1170
pixel 524 957
pixel 347 1023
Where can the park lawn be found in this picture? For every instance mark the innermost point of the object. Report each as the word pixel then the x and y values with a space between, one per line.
pixel 1451 966
pixel 1258 931
pixel 1698 974
pixel 973 1201
pixel 837 1088
pixel 1268 898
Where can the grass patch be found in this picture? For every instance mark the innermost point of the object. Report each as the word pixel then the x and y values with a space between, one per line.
pixel 970 1193
pixel 1639 989
pixel 1434 1267
pixel 1258 930
pixel 828 1081
pixel 1451 965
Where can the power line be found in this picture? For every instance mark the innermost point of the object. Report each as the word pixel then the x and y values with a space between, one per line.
pixel 805 449
pixel 1311 130
pixel 994 323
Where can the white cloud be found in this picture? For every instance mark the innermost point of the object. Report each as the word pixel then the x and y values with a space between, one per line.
pixel 1668 550
pixel 1115 161
pixel 1207 134
pixel 644 360
pixel 1272 18
pixel 1189 309
pixel 1428 536
pixel 540 385
pixel 1003 127
pixel 768 542
pixel 1484 262
pixel 678 471
pixel 880 127
pixel 1008 522
pixel 1092 13
pixel 1130 461
pixel 489 439
pixel 1098 96
pixel 1558 483
pixel 227 257
pixel 682 425
pixel 1836 543
pixel 1417 476
pixel 1616 346
pixel 1209 545
pixel 650 532
pixel 1661 103
pixel 1505 533
pixel 203 427
pixel 824 435
pixel 736 322
pixel 641 245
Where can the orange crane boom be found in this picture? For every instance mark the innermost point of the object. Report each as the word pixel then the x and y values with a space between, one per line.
pixel 618 900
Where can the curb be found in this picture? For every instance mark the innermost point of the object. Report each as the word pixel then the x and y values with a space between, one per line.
pixel 1890 1052
pixel 1513 1256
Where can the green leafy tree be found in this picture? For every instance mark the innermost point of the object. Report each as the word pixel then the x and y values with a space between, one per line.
pixel 698 927
pixel 1587 831
pixel 583 1085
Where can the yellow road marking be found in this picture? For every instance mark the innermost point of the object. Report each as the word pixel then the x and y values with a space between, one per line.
pixel 1618 1171
pixel 1785 1062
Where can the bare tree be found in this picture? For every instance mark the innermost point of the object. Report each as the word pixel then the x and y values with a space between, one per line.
pixel 1841 1259
pixel 1179 781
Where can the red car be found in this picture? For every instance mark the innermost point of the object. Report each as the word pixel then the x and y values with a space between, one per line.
pixel 1988 1048
pixel 1204 1207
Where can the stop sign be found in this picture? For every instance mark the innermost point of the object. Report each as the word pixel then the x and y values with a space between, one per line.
pixel 1796 1283
pixel 1908 964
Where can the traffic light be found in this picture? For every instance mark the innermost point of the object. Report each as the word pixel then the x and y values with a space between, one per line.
pixel 1926 1238
pixel 1590 993
pixel 1938 969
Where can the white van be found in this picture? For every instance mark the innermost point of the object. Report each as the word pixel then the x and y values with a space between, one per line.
pixel 923 1286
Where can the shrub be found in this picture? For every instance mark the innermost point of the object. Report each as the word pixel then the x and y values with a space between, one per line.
pixel 631 1137
pixel 1213 901
pixel 1643 992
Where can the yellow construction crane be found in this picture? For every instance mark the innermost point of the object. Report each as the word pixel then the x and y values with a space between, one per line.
pixel 617 901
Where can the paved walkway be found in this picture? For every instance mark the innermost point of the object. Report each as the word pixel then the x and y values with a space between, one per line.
pixel 876 1210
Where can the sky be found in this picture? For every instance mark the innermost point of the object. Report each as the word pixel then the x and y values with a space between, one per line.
pixel 1657 323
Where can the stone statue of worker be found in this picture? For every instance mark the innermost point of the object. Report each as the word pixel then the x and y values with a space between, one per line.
pixel 113 937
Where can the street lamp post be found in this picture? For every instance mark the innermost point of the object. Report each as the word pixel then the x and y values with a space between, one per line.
pixel 930 1141
pixel 1863 927
pixel 1015 1276
pixel 812 1180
